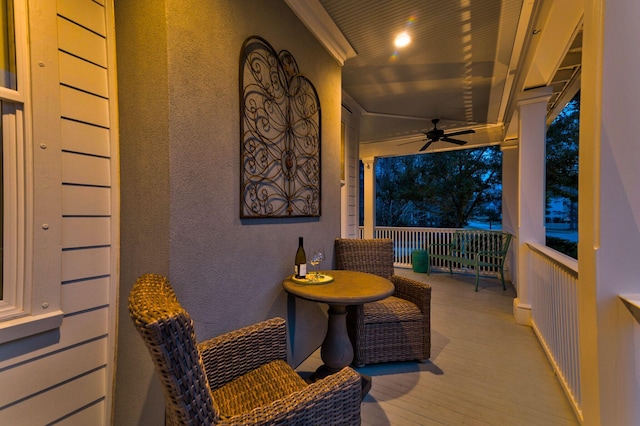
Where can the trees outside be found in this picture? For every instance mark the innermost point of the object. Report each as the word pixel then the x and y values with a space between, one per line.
pixel 443 189
pixel 562 159
pixel 447 189
pixel 562 177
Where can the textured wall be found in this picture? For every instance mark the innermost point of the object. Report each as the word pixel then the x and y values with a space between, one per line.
pixel 178 66
pixel 144 193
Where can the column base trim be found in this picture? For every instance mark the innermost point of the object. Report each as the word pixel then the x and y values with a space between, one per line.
pixel 521 312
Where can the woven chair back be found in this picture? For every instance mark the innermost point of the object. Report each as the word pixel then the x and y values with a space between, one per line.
pixel 167 330
pixel 374 256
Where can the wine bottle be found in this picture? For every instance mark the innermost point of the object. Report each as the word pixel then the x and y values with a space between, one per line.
pixel 301 260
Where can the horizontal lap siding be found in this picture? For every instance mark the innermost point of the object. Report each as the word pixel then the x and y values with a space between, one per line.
pixel 85 295
pixel 76 40
pixel 85 107
pixel 78 73
pixel 83 263
pixel 75 330
pixel 85 138
pixel 79 232
pixel 59 402
pixel 53 370
pixel 86 201
pixel 62 376
pixel 86 191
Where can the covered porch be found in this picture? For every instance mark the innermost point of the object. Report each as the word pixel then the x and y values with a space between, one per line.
pixel 552 313
pixel 485 369
pixel 581 319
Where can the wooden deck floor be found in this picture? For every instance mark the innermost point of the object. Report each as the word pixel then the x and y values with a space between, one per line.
pixel 484 369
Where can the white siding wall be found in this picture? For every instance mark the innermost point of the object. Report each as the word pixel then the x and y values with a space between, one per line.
pixel 65 376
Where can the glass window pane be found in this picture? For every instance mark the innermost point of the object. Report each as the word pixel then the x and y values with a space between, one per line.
pixel 7 46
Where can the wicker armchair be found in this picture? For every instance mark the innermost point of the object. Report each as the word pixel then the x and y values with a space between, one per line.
pixel 397 328
pixel 239 378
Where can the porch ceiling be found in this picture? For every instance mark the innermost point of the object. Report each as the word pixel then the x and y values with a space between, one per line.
pixel 468 62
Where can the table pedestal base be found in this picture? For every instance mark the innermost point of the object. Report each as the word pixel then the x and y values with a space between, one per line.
pixel 337 350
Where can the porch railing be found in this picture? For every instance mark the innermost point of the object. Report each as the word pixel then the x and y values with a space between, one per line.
pixel 553 280
pixel 406 240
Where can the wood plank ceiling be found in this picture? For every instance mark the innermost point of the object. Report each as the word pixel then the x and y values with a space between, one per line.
pixel 461 67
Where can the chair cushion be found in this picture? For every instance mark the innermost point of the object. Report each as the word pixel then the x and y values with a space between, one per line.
pixel 391 309
pixel 259 387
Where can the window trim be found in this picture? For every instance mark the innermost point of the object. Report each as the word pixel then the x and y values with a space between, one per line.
pixel 15 252
pixel 36 300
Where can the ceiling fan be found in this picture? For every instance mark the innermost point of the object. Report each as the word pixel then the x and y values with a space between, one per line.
pixel 436 135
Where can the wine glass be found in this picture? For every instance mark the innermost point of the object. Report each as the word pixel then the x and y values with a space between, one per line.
pixel 318 254
pixel 314 261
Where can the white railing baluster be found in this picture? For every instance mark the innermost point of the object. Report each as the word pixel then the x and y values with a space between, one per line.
pixel 553 279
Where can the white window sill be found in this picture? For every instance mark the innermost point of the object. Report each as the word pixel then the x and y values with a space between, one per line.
pixel 632 302
pixel 29 325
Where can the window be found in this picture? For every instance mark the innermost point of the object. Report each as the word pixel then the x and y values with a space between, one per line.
pixel 27 305
pixel 13 213
pixel 7 46
pixel 10 296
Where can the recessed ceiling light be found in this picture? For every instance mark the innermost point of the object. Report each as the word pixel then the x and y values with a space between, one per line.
pixel 402 40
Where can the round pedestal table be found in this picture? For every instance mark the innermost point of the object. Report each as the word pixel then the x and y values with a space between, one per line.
pixel 347 288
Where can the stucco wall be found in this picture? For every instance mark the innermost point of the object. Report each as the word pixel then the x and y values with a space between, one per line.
pixel 178 68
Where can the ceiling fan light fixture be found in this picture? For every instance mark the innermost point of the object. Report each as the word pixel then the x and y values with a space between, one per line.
pixel 402 40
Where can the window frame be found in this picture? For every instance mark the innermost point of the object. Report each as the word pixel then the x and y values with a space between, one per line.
pixel 32 208
pixel 15 210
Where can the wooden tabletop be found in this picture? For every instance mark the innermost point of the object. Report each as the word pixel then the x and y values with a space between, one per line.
pixel 347 288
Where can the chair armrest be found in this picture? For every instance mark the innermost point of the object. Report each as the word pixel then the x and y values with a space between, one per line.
pixel 335 399
pixel 413 291
pixel 495 256
pixel 237 352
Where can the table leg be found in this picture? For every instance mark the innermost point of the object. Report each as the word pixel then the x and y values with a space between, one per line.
pixel 337 351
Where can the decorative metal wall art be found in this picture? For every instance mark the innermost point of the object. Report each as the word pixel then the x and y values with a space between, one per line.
pixel 280 135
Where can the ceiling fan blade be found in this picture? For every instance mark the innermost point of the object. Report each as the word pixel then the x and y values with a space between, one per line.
pixel 456 141
pixel 462 132
pixel 426 145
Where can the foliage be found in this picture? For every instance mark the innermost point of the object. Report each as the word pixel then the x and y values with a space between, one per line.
pixel 562 157
pixel 567 247
pixel 441 189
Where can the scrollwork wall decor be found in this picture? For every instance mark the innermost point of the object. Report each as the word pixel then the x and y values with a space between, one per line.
pixel 280 135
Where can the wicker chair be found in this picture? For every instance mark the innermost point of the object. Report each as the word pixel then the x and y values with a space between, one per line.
pixel 239 378
pixel 397 328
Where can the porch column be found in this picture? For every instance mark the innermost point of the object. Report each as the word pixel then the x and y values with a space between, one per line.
pixel 609 213
pixel 510 171
pixel 532 112
pixel 369 196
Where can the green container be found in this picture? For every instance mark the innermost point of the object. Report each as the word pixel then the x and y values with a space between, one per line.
pixel 420 260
